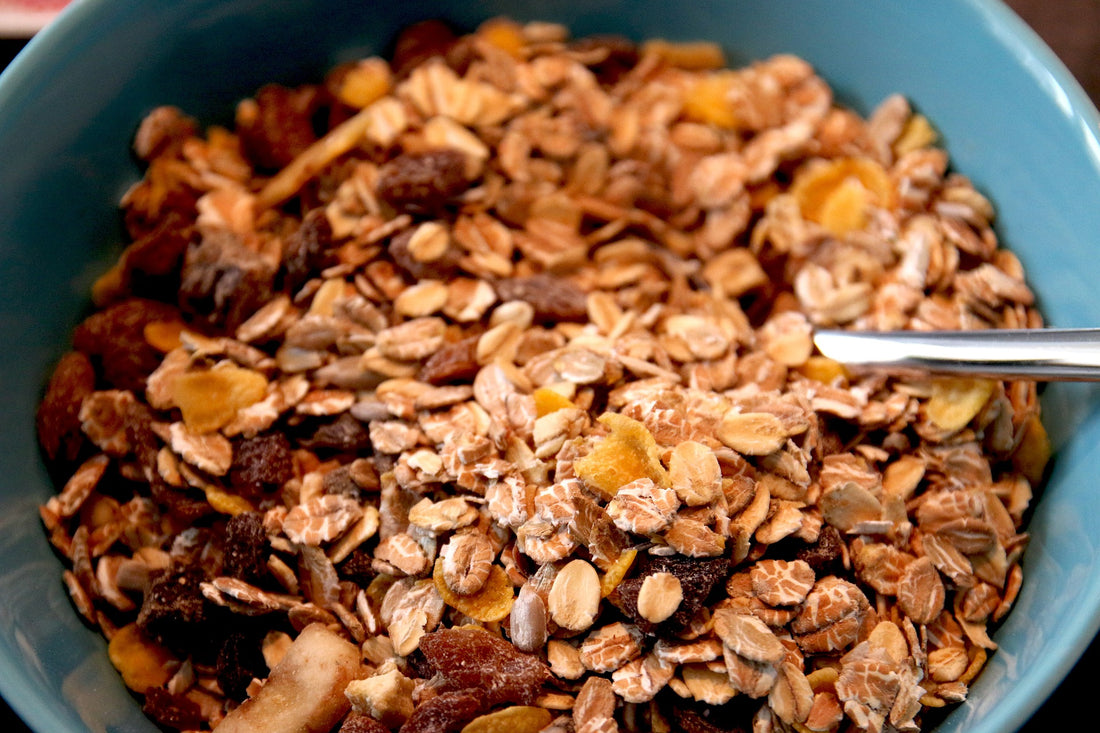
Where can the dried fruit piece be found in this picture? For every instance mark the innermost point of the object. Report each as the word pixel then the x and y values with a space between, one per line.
pixel 141 661
pixel 549 400
pixel 628 453
pixel 473 658
pixel 365 82
pixel 955 401
pixel 211 398
pixel 515 719
pixel 616 571
pixel 58 417
pixel 492 602
pixel 837 194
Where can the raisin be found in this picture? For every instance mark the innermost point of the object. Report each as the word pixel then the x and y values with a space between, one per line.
pixel 448 712
pixel 454 362
pixel 423 182
pixel 114 340
pixel 308 249
pixel 358 567
pixel 419 42
pixel 172 711
pixel 174 611
pixel 440 269
pixel 152 262
pixel 826 555
pixel 163 132
pixel 185 506
pixel 345 433
pixel 698 577
pixel 240 659
pixel 276 126
pixel 474 658
pixel 58 417
pixel 688 717
pixel 246 547
pixel 261 464
pixel 224 281
pixel 619 55
pixel 554 299
pixel 338 481
pixel 359 723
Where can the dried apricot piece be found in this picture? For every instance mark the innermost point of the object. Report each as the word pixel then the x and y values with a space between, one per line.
pixel 916 134
pixel 516 719
pixel 690 55
pixel 163 335
pixel 956 400
pixel 1033 452
pixel 707 100
pixel 505 34
pixel 616 572
pixel 211 398
pixel 225 503
pixel 492 603
pixel 549 400
pixel 142 662
pixel 837 194
pixel 367 81
pixel 822 369
pixel 630 452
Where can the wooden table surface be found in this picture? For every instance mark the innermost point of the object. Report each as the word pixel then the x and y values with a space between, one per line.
pixel 1072 29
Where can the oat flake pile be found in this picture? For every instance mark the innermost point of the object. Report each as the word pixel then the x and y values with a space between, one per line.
pixel 474 391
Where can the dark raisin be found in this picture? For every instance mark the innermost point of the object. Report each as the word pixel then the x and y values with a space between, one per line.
pixel 150 265
pixel 698 577
pixel 185 506
pixel 172 711
pixel 114 339
pixel 447 712
pixel 826 555
pixel 472 658
pixel 163 132
pixel 615 55
pixel 454 362
pixel 240 659
pixel 58 417
pixel 359 723
pixel 307 249
pixel 223 281
pixel 339 481
pixel 166 189
pixel 276 126
pixel 554 299
pixel 688 717
pixel 261 464
pixel 174 611
pixel 345 433
pixel 441 268
pixel 246 547
pixel 419 42
pixel 358 568
pixel 423 182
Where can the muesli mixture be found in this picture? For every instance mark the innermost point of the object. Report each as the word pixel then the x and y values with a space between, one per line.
pixel 473 390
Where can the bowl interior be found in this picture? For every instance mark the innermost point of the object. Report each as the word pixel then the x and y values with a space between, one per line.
pixel 1010 115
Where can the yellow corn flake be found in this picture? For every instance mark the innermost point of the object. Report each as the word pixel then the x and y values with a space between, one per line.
pixel 141 661
pixel 918 133
pixel 490 604
pixel 225 503
pixel 627 454
pixel 956 400
pixel 164 336
pixel 365 83
pixel 708 101
pixel 505 34
pixel 837 194
pixel 210 398
pixel 549 400
pixel 616 571
pixel 822 369
pixel 691 55
pixel 516 719
pixel 1033 452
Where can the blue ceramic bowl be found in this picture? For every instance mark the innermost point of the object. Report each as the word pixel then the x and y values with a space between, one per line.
pixel 1011 117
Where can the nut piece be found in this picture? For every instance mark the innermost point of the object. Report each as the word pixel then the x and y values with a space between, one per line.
pixel 659 597
pixel 574 598
pixel 387 697
pixel 752 433
pixel 695 474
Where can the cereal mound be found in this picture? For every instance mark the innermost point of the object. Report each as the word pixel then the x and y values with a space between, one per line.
pixel 474 390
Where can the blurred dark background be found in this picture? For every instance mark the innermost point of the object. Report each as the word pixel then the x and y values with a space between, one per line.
pixel 1072 29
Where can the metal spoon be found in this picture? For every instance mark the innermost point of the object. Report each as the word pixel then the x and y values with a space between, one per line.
pixel 1047 354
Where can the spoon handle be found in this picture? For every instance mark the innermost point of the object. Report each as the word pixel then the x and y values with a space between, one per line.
pixel 1042 354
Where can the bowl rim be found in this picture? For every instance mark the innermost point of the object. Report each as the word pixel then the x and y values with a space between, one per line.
pixel 1011 33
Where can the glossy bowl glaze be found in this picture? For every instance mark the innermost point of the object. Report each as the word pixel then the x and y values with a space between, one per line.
pixel 1010 115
